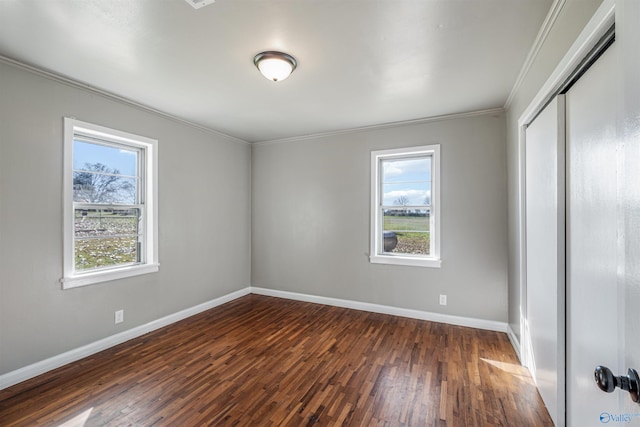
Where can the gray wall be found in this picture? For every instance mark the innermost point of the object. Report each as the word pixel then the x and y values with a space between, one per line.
pixel 204 221
pixel 570 22
pixel 310 221
pixel 310 215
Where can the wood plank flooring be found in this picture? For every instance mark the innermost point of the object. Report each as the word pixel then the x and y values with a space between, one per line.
pixel 262 361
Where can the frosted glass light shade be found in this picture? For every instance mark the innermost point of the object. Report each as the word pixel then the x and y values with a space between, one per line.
pixel 275 66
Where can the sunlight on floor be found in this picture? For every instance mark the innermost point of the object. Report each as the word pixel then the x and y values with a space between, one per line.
pixel 79 420
pixel 517 371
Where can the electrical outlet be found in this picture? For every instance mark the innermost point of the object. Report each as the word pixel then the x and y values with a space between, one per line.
pixel 443 300
pixel 119 316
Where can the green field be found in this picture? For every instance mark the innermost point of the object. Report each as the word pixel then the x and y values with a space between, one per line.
pixel 406 223
pixel 412 233
pixel 105 238
pixel 96 253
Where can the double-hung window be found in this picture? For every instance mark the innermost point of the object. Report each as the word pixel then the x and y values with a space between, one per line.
pixel 405 206
pixel 110 204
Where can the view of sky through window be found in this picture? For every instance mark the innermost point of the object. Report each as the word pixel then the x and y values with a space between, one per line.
pixel 406 182
pixel 104 174
pixel 125 161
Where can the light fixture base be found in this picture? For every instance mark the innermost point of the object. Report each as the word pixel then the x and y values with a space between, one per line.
pixel 274 65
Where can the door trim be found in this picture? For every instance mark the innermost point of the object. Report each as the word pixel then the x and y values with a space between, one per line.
pixel 594 31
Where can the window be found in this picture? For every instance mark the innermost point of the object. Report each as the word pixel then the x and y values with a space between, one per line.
pixel 110 204
pixel 405 206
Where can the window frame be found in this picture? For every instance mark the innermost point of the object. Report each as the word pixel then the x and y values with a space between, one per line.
pixel 147 194
pixel 377 254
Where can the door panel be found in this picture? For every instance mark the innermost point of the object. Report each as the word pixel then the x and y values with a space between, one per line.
pixel 545 234
pixel 592 300
pixel 629 161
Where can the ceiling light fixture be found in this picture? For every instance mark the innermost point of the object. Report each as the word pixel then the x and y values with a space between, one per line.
pixel 197 4
pixel 275 66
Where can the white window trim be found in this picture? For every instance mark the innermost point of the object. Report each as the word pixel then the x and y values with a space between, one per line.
pixel 376 254
pixel 71 278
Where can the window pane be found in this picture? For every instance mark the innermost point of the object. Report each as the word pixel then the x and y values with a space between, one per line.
pixel 120 161
pixel 106 237
pixel 106 222
pixel 412 243
pixel 105 252
pixel 90 187
pixel 407 231
pixel 104 174
pixel 406 194
pixel 406 170
pixel 406 220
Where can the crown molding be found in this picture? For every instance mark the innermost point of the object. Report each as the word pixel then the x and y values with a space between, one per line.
pixel 383 126
pixel 112 96
pixel 543 33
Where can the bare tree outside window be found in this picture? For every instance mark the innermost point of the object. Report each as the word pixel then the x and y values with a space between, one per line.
pixel 401 201
pixel 100 184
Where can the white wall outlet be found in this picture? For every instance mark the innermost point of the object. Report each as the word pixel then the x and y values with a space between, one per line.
pixel 119 316
pixel 443 300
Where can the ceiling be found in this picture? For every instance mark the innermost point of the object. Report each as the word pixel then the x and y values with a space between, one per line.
pixel 360 62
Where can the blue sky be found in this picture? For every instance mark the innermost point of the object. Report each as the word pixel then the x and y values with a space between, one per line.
pixel 410 178
pixel 115 158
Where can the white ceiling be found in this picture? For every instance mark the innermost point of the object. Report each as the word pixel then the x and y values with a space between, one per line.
pixel 360 62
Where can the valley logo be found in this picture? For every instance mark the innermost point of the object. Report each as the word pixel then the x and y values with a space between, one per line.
pixel 606 417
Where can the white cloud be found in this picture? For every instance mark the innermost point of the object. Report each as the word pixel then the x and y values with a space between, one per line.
pixel 396 168
pixel 392 169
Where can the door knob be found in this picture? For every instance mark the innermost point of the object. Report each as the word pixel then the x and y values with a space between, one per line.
pixel 607 382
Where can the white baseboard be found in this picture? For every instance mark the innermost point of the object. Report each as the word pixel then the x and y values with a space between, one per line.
pixel 38 368
pixel 490 325
pixel 514 341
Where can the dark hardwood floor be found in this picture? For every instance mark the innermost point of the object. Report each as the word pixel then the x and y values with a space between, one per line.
pixel 262 361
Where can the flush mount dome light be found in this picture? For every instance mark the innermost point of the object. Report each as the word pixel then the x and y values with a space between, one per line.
pixel 275 66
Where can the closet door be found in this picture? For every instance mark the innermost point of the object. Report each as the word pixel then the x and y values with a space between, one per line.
pixel 545 238
pixel 593 308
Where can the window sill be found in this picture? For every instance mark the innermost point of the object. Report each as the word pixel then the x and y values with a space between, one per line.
pixel 107 275
pixel 405 260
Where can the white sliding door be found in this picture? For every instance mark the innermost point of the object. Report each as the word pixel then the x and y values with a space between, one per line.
pixel 593 310
pixel 545 237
